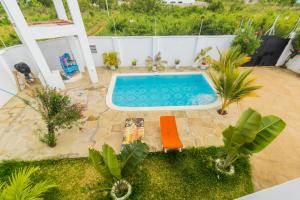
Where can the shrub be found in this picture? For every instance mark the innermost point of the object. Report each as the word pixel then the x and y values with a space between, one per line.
pixel 296 42
pixel 146 5
pixel 216 6
pixel 246 40
pixel 57 112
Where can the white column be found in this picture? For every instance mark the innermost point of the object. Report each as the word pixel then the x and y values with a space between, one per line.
pixel 21 26
pixel 83 40
pixel 60 9
pixel 7 81
pixel 75 48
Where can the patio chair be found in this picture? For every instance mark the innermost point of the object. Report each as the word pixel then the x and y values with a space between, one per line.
pixel 134 130
pixel 169 134
pixel 68 64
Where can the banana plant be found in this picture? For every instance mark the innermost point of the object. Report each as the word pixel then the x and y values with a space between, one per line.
pixel 251 134
pixel 113 167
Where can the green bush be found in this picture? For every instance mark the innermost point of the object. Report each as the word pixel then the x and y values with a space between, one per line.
pixel 296 42
pixel 246 40
pixel 216 6
pixel 146 6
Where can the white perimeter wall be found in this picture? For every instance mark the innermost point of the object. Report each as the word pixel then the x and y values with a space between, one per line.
pixel 171 47
pixel 129 48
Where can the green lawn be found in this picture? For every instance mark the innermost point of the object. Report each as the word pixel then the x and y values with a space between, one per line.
pixel 161 176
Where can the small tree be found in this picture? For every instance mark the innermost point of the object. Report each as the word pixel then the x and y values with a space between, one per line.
pixel 57 112
pixel 20 186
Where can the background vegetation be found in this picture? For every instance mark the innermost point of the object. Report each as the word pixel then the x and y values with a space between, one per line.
pixel 173 176
pixel 138 17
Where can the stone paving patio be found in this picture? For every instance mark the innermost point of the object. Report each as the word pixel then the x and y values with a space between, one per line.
pixel 20 125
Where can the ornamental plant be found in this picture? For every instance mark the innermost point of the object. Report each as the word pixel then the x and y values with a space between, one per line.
pixel 246 40
pixel 111 60
pixel 20 186
pixel 57 111
pixel 114 168
pixel 251 134
pixel 202 58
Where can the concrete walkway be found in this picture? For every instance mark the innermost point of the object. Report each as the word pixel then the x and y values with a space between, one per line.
pixel 20 125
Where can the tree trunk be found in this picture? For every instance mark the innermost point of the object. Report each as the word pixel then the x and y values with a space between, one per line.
pixel 51 139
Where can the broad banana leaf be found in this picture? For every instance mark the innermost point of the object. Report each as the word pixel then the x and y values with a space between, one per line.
pixel 244 131
pixel 111 161
pixel 132 155
pixel 98 163
pixel 271 126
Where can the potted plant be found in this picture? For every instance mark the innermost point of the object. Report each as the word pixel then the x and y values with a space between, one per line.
pixel 203 59
pixel 111 60
pixel 57 111
pixel 149 63
pixel 177 62
pixel 156 64
pixel 115 168
pixel 134 62
pixel 251 134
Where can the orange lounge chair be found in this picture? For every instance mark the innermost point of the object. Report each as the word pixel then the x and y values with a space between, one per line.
pixel 169 134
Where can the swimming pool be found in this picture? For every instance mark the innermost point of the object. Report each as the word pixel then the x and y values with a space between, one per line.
pixel 164 91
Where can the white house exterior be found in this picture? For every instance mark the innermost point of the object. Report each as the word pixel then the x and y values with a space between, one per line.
pixel 179 1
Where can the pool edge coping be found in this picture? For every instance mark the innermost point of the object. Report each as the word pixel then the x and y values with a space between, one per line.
pixel 112 83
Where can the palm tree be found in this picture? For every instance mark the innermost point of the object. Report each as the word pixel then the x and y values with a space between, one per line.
pixel 20 187
pixel 232 85
pixel 231 57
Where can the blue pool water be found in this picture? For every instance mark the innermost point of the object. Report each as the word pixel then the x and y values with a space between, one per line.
pixel 162 90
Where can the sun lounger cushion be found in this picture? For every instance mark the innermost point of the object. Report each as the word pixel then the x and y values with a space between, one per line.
pixel 134 130
pixel 169 133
